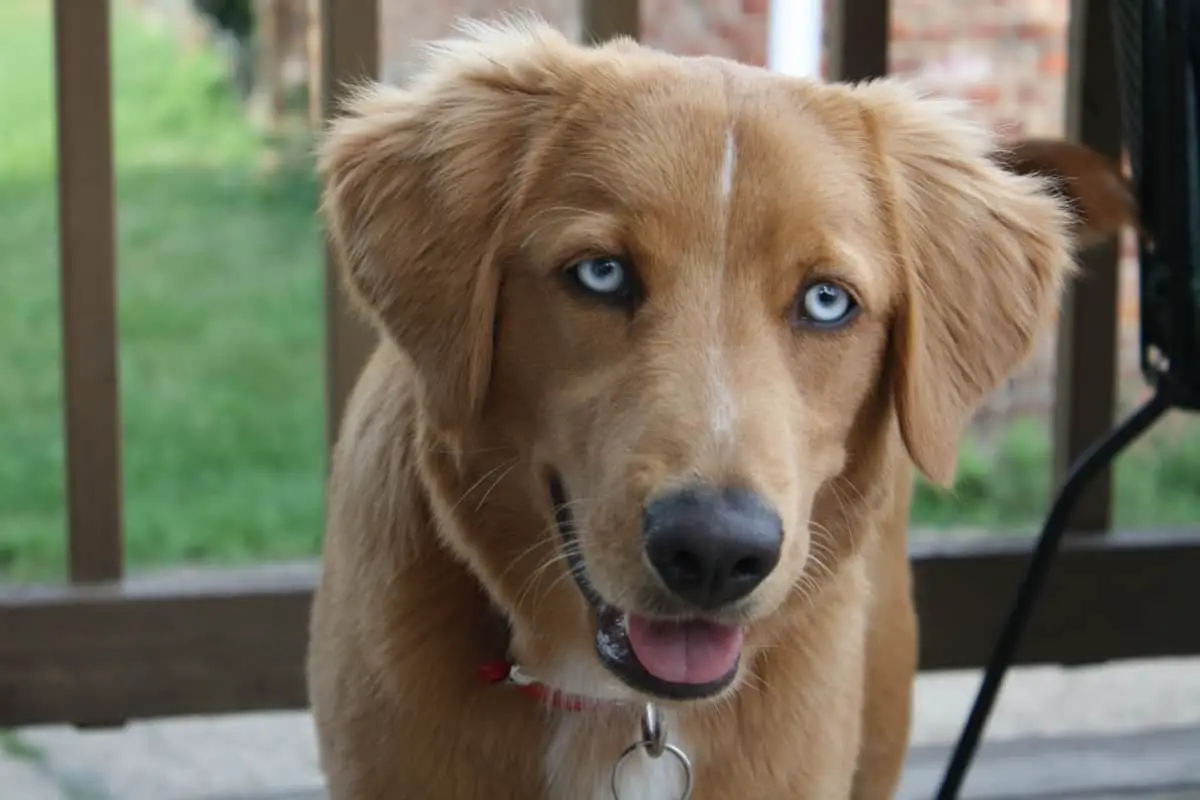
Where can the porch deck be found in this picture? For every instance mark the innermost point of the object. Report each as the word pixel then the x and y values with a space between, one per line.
pixel 1153 765
pixel 1162 764
pixel 1122 730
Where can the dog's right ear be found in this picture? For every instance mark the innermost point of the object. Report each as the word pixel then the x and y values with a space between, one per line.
pixel 417 185
pixel 1099 194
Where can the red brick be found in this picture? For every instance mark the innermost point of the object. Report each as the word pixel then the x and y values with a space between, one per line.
pixel 1053 63
pixel 983 93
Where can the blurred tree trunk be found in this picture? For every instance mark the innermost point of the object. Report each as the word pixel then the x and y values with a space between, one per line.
pixel 270 29
pixel 316 63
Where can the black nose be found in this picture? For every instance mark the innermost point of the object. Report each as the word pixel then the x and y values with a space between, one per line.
pixel 712 546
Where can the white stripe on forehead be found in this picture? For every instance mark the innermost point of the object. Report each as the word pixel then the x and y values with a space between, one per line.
pixel 722 410
pixel 728 162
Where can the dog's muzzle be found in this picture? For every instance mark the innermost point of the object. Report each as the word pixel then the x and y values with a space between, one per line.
pixel 710 548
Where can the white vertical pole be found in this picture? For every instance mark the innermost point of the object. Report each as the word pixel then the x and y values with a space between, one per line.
pixel 795 30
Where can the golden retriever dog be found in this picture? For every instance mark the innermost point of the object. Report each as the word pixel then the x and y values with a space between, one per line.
pixel 662 339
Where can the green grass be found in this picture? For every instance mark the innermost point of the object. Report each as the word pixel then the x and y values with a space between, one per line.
pixel 1006 486
pixel 13 745
pixel 220 314
pixel 221 320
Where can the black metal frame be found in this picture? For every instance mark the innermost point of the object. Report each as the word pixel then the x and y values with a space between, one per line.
pixel 1083 470
pixel 1160 82
pixel 1160 66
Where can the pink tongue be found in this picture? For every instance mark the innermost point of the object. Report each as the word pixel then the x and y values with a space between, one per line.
pixel 684 652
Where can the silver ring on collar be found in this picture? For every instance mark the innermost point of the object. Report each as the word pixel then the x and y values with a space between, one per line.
pixel 654 733
pixel 684 763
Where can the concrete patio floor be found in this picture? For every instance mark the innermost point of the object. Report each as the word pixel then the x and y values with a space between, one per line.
pixel 1112 728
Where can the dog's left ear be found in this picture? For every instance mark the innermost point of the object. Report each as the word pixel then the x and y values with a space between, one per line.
pixel 984 253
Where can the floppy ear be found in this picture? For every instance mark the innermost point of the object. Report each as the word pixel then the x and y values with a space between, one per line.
pixel 418 184
pixel 984 253
pixel 1100 196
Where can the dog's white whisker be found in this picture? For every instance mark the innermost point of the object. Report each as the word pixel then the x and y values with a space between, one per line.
pixel 479 482
pixel 540 542
pixel 538 597
pixel 537 574
pixel 492 488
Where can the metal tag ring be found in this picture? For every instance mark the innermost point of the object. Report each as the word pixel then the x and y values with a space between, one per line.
pixel 679 755
pixel 654 733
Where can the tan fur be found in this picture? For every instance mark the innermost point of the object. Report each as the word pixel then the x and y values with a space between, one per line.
pixel 454 204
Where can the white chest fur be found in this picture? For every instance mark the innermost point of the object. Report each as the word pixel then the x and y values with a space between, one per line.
pixel 578 766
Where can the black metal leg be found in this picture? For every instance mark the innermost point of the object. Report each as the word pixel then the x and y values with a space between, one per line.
pixel 1099 455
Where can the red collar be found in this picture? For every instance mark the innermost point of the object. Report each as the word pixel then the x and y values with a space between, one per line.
pixel 500 671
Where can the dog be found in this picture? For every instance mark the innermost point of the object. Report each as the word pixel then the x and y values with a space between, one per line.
pixel 662 341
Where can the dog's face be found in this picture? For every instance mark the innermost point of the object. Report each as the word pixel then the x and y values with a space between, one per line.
pixel 695 307
pixel 689 299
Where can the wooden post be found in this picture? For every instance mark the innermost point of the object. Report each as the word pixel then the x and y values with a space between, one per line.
pixel 1086 374
pixel 87 268
pixel 316 68
pixel 350 32
pixel 857 39
pixel 607 19
pixel 268 84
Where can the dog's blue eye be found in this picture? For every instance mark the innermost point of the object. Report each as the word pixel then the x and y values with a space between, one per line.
pixel 606 276
pixel 825 305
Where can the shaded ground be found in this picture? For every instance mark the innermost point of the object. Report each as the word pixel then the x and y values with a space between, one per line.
pixel 1048 726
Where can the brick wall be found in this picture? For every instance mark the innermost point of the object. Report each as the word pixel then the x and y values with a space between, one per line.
pixel 717 27
pixel 1008 56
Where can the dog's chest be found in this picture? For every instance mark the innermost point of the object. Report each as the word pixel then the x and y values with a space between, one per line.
pixel 578 765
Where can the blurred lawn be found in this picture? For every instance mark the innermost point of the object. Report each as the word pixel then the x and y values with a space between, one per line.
pixel 1006 485
pixel 221 323
pixel 220 314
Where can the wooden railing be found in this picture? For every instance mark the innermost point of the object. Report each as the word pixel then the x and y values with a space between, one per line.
pixel 104 649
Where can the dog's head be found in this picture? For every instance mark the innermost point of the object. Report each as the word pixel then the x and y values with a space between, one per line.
pixel 688 303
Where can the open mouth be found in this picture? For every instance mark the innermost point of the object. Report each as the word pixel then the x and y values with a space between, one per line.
pixel 675 659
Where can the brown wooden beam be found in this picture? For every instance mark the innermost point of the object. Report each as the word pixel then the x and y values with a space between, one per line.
pixel 1086 375
pixel 350 36
pixel 87 270
pixel 856 39
pixel 210 642
pixel 1108 597
pixel 205 642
